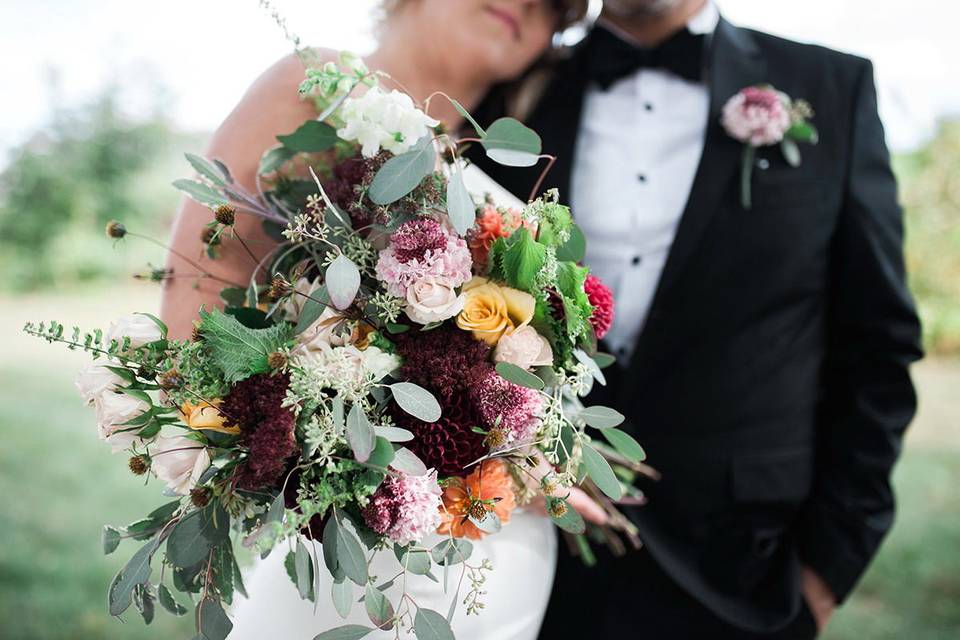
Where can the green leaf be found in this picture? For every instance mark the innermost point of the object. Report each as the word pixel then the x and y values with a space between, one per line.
pixel 290 564
pixel 523 260
pixel 517 375
pixel 310 137
pixel 342 280
pixel 403 173
pixel 274 158
pixel 430 625
pixel 212 620
pixel 416 401
pixel 200 192
pixel 303 564
pixel 407 461
pixel 591 365
pixel 601 417
pixel 168 603
pixel 378 607
pixel 803 132
pixel 416 561
pixel 460 207
pixel 207 169
pixel 350 555
pixel 604 360
pixel 341 592
pixel 311 310
pixel 329 547
pixel 394 434
pixel 346 632
pixel 195 535
pixel 382 453
pixel 233 296
pixel 625 444
pixel 239 351
pixel 452 551
pixel 469 118
pixel 144 602
pixel 570 521
pixel 136 571
pixel 574 249
pixel 360 434
pixel 110 538
pixel 791 152
pixel 600 472
pixel 511 143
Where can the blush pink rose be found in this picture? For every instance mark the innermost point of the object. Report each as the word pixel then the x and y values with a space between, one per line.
pixel 525 348
pixel 757 116
pixel 433 300
pixel 179 462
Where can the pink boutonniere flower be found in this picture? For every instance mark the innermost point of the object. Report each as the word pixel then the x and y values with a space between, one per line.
pixel 761 116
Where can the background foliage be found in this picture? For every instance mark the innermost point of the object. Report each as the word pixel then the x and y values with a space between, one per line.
pixel 95 163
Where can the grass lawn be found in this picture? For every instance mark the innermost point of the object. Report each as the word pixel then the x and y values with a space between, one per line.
pixel 59 485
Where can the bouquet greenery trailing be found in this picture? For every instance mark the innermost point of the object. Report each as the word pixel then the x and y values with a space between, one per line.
pixel 407 361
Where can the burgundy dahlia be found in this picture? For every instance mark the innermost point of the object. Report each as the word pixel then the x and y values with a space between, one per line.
pixel 266 428
pixel 449 444
pixel 601 299
pixel 444 360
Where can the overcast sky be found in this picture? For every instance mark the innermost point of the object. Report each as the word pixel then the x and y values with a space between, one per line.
pixel 206 52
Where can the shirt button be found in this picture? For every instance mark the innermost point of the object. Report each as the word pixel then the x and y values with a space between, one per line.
pixel 648 106
pixel 636 260
pixel 642 177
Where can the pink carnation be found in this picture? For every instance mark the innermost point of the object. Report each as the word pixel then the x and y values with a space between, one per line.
pixel 405 508
pixel 756 115
pixel 420 249
pixel 516 408
pixel 601 299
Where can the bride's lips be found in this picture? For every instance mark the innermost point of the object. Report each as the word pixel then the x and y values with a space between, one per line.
pixel 507 18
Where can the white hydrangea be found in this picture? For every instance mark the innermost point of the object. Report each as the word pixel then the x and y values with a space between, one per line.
pixel 383 120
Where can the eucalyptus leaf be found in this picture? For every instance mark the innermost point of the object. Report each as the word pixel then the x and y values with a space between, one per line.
pixel 600 472
pixel 394 434
pixel 489 523
pixel 274 158
pixel 430 625
pixel 110 539
pixel 304 569
pixel 604 360
pixel 194 536
pixel 416 401
pixel 342 594
pixel 343 281
pixel 403 173
pixel 407 461
pixel 346 632
pixel 416 561
pixel 379 609
pixel 460 207
pixel 310 137
pixel 350 555
pixel 601 417
pixel 510 142
pixel 212 620
pixel 200 192
pixel 570 521
pixel 791 152
pixel 136 571
pixel 466 114
pixel 625 444
pixel 591 365
pixel 452 551
pixel 207 169
pixel 168 603
pixel 329 546
pixel 382 454
pixel 360 434
pixel 517 375
pixel 311 310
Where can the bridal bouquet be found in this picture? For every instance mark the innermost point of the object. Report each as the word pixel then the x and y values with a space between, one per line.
pixel 407 362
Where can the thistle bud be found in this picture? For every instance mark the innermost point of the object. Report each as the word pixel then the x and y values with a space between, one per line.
pixel 557 508
pixel 195 334
pixel 477 510
pixel 116 230
pixel 495 438
pixel 170 379
pixel 277 360
pixel 139 465
pixel 225 214
pixel 279 287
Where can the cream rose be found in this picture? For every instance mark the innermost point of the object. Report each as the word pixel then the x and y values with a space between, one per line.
pixel 179 462
pixel 433 300
pixel 138 327
pixel 94 380
pixel 491 309
pixel 328 330
pixel 524 347
pixel 113 410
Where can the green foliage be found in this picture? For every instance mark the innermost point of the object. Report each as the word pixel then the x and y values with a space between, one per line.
pixel 403 173
pixel 239 351
pixel 523 260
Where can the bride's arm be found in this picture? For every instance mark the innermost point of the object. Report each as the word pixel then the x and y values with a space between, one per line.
pixel 271 106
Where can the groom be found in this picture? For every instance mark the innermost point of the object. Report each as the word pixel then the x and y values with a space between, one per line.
pixel 763 352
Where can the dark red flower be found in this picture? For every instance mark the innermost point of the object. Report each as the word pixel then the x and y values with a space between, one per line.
pixel 449 444
pixel 266 428
pixel 444 360
pixel 601 299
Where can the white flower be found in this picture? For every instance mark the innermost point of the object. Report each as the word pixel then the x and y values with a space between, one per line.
pixel 383 120
pixel 95 379
pixel 433 300
pixel 113 410
pixel 326 331
pixel 378 363
pixel 524 347
pixel 138 327
pixel 179 462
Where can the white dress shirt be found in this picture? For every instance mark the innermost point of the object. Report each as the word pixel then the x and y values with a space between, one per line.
pixel 637 153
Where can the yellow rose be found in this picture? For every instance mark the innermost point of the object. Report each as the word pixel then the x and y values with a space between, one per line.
pixel 206 416
pixel 490 309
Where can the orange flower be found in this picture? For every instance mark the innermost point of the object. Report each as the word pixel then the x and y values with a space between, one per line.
pixel 206 416
pixel 490 226
pixel 490 481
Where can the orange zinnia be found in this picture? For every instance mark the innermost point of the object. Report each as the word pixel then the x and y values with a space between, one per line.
pixel 490 481
pixel 206 415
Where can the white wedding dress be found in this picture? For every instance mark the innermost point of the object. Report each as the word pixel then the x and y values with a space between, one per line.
pixel 517 589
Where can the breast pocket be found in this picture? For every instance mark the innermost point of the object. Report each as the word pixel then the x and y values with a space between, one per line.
pixel 778 192
pixel 783 477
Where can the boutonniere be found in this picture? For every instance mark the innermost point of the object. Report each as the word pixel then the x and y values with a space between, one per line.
pixel 761 116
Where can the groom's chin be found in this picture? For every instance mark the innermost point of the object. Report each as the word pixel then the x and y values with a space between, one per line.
pixel 640 8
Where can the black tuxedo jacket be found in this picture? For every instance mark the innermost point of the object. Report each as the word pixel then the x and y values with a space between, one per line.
pixel 770 384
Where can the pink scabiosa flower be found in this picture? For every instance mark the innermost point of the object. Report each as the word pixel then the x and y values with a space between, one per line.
pixel 405 508
pixel 758 116
pixel 507 406
pixel 420 249
pixel 601 299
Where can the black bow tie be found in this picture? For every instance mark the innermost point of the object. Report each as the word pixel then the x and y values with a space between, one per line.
pixel 611 58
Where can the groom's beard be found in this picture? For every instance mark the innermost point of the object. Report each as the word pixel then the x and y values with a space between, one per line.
pixel 640 8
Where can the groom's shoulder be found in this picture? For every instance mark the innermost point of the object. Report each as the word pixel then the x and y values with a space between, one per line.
pixel 810 60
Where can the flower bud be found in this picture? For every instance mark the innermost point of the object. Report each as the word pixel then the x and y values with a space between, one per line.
pixel 116 230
